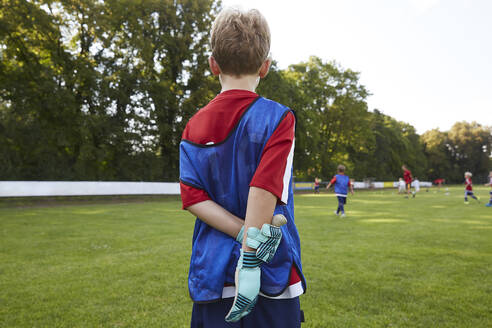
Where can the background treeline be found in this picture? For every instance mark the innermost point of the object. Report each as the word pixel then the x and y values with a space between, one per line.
pixel 101 90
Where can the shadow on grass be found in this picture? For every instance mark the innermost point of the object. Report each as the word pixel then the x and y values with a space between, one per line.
pixel 381 220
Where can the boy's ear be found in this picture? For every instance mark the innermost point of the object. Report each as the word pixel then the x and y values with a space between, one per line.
pixel 214 67
pixel 265 67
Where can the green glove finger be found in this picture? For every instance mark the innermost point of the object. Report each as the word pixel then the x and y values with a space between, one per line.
pixel 269 230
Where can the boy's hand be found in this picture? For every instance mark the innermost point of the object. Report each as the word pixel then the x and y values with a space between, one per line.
pixel 266 240
pixel 248 280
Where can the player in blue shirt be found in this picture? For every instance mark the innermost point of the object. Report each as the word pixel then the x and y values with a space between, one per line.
pixel 341 183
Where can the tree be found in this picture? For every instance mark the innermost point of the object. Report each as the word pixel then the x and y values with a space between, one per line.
pixel 436 149
pixel 100 89
pixel 470 145
pixel 465 147
pixel 396 144
pixel 39 116
pixel 331 114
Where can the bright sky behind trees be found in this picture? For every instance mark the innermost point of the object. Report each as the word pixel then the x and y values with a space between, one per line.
pixel 426 62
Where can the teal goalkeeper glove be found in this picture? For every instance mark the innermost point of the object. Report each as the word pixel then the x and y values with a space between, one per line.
pixel 248 280
pixel 266 240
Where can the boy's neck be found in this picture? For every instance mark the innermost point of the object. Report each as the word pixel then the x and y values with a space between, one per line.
pixel 244 82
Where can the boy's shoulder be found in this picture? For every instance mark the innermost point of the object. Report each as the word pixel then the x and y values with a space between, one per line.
pixel 214 122
pixel 276 106
pixel 274 103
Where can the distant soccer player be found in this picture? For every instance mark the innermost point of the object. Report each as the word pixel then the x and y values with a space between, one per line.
pixel 416 184
pixel 341 184
pixel 407 176
pixel 401 186
pixel 316 185
pixel 469 188
pixel 490 184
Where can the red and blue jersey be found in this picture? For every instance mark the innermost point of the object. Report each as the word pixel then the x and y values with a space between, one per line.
pixel 213 123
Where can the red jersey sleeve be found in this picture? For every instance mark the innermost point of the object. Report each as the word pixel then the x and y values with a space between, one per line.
pixel 333 180
pixel 274 171
pixel 191 195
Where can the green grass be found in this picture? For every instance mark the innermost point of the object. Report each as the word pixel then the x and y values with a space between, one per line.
pixel 393 262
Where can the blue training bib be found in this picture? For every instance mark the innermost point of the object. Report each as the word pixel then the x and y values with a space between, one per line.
pixel 225 170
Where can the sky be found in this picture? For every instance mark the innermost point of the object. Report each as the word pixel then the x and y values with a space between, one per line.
pixel 425 62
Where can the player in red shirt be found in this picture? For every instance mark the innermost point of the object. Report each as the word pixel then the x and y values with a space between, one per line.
pixel 469 188
pixel 407 176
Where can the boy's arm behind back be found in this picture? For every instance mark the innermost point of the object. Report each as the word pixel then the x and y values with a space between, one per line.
pixel 217 217
pixel 263 194
pixel 198 202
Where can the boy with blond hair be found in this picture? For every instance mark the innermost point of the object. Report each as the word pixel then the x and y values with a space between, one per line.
pixel 235 173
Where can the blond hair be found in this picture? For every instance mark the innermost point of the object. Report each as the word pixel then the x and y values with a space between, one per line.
pixel 341 168
pixel 468 174
pixel 240 41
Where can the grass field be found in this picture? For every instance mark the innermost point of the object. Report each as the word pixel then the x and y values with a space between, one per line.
pixel 393 262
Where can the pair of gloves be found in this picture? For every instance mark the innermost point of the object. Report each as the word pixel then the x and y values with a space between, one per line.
pixel 265 241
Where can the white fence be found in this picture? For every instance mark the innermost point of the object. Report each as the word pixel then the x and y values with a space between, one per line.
pixel 362 185
pixel 85 188
pixel 96 188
